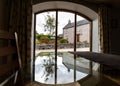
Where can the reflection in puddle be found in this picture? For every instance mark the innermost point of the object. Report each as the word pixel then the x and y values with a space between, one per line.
pixel 45 69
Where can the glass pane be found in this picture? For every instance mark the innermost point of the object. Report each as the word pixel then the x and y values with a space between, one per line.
pixel 65 43
pixel 82 44
pixel 45 47
pixel 83 34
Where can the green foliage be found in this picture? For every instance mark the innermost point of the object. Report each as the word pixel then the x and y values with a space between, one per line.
pixel 38 36
pixel 37 41
pixel 44 37
pixel 63 41
pixel 41 36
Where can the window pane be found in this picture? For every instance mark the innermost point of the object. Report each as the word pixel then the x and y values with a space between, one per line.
pixel 83 34
pixel 65 44
pixel 45 47
pixel 82 44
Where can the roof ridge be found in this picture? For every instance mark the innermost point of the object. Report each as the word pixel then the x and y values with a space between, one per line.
pixel 80 22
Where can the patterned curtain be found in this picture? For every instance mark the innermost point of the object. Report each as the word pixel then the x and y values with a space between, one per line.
pixel 104 28
pixel 104 33
pixel 20 21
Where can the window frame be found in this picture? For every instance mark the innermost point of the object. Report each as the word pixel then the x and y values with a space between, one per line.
pixel 56 28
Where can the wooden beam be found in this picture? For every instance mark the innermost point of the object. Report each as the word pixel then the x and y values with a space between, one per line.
pixel 6 35
pixel 9 67
pixel 4 51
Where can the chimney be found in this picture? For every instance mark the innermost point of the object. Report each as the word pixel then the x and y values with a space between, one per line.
pixel 69 21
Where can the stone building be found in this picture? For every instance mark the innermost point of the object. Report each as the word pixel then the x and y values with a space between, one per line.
pixel 82 31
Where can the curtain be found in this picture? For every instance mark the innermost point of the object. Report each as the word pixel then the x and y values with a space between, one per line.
pixel 104 33
pixel 104 28
pixel 20 21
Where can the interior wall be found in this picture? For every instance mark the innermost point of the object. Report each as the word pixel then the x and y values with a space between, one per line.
pixel 1 14
pixel 4 18
pixel 83 2
pixel 4 14
pixel 115 31
pixel 4 27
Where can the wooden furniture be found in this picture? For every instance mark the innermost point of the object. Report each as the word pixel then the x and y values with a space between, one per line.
pixel 10 62
pixel 109 60
pixel 8 59
pixel 103 59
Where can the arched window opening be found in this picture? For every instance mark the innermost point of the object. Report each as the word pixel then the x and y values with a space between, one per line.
pixel 58 32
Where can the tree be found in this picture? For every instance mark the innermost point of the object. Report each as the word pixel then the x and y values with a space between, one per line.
pixel 50 24
pixel 38 36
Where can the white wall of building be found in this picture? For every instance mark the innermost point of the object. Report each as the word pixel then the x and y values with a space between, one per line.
pixel 68 34
pixel 83 30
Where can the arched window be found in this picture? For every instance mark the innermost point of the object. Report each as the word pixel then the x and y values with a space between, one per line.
pixel 69 32
pixel 57 32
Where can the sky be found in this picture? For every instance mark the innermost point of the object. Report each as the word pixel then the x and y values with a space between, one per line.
pixel 63 18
